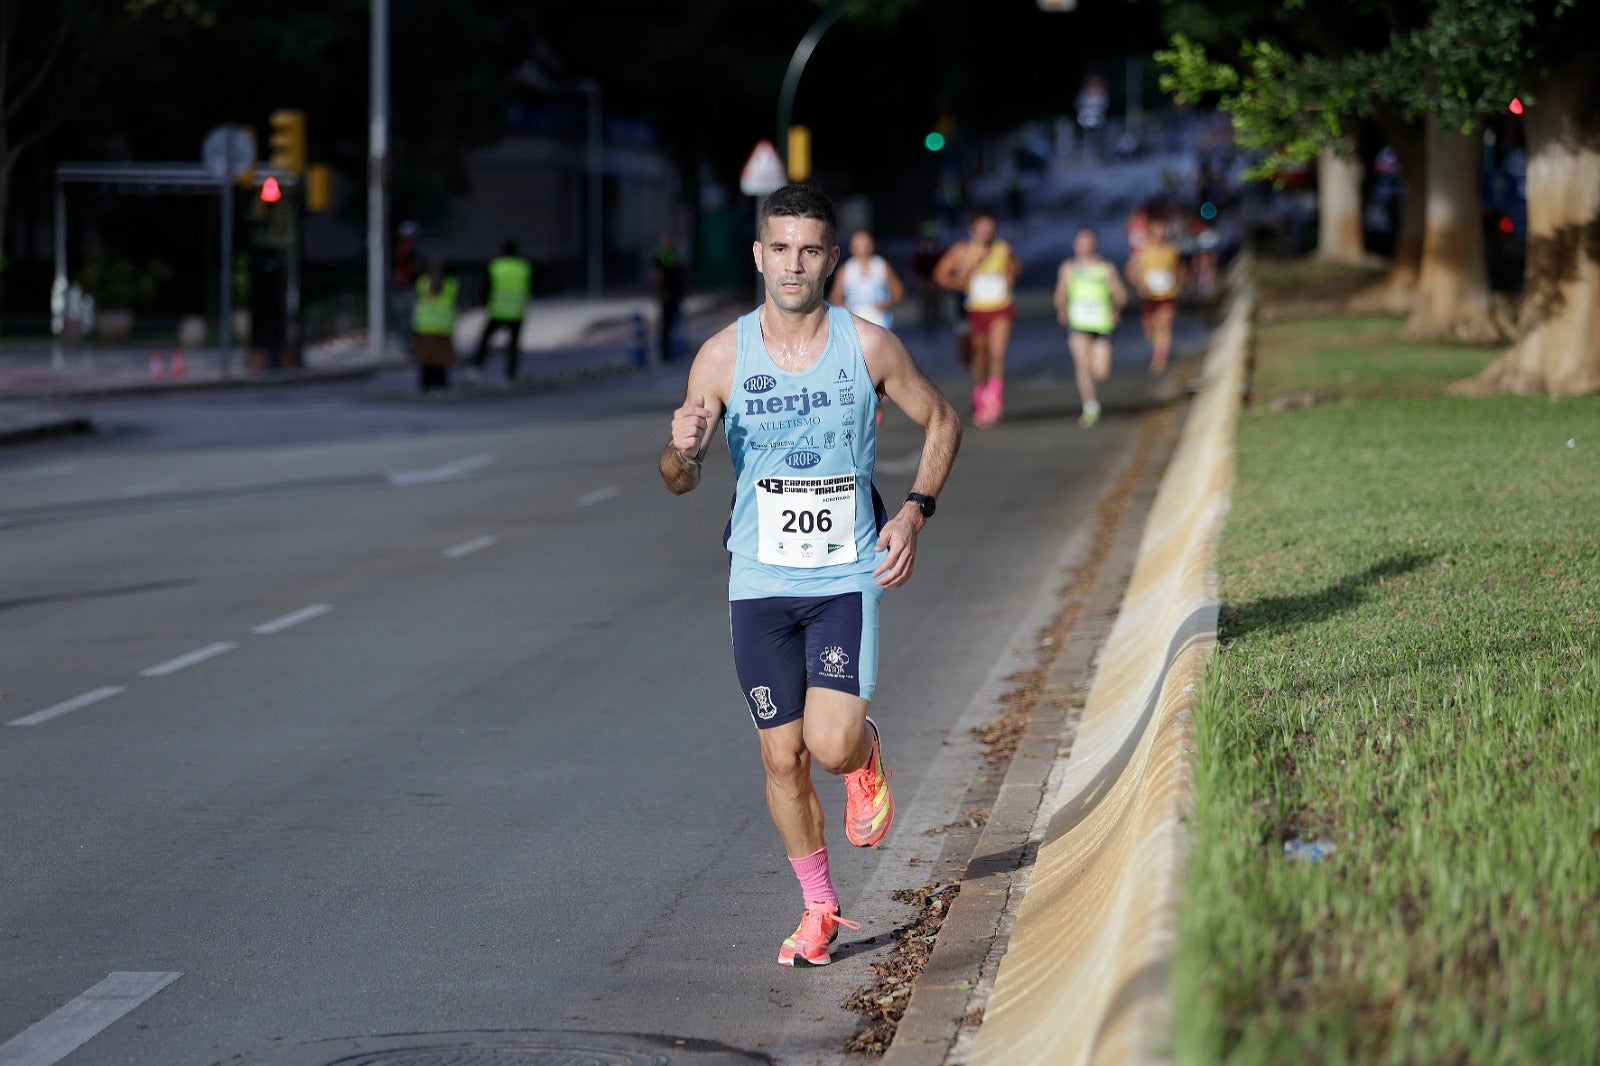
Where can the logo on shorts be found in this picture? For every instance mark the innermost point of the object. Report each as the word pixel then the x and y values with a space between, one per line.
pixel 761 696
pixel 802 460
pixel 760 383
pixel 834 660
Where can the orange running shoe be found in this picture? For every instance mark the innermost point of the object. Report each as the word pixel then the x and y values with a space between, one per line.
pixel 819 928
pixel 868 803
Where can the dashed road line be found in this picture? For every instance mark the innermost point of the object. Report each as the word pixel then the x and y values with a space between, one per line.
pixel 53 1038
pixel 152 489
pixel 199 655
pixel 477 544
pixel 36 473
pixel 589 499
pixel 293 618
pixel 461 467
pixel 68 706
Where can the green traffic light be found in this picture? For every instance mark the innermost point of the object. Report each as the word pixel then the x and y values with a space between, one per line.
pixel 933 141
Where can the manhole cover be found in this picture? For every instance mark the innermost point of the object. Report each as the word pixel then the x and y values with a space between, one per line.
pixel 506 1054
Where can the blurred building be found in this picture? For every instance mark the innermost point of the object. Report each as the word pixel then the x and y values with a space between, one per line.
pixel 533 187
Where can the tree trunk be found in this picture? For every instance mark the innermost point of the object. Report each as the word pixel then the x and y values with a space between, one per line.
pixel 1453 286
pixel 1339 208
pixel 1397 293
pixel 1558 352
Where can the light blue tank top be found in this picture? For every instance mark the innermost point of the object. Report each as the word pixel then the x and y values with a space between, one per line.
pixel 804 445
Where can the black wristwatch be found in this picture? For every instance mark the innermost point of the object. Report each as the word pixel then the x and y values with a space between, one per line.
pixel 925 504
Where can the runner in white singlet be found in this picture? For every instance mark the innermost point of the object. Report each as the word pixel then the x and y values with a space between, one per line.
pixel 866 283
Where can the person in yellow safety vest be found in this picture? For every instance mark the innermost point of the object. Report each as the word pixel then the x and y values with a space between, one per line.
pixel 1089 298
pixel 510 284
pixel 433 320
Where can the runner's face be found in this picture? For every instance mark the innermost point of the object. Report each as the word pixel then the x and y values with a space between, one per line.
pixel 861 245
pixel 1083 245
pixel 983 230
pixel 794 261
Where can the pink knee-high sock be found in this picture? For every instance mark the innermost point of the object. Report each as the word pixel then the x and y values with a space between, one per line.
pixel 816 884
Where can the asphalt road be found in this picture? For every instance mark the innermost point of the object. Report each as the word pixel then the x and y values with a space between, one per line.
pixel 401 723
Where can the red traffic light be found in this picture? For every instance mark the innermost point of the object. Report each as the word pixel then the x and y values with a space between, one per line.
pixel 270 193
pixel 1516 105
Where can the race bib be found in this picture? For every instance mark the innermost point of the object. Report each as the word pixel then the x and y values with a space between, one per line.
pixel 1089 312
pixel 806 522
pixel 1160 281
pixel 988 290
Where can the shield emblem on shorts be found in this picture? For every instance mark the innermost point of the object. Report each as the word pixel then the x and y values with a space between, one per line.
pixel 761 696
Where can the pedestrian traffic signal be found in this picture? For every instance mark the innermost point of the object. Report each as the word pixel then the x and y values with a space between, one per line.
pixel 288 140
pixel 934 141
pixel 799 153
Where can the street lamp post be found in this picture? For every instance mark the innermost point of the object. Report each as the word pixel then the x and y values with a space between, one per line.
pixel 595 162
pixel 377 181
pixel 797 66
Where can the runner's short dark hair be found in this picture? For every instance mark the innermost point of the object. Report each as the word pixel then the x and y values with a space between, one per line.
pixel 801 201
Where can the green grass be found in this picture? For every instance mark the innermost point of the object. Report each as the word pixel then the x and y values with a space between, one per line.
pixel 1410 669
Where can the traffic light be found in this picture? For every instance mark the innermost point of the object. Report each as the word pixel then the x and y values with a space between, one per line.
pixel 288 140
pixel 319 187
pixel 934 141
pixel 271 192
pixel 799 153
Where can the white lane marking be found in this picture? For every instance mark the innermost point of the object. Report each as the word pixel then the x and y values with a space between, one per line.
pixel 589 499
pixel 200 655
pixel 37 473
pixel 904 465
pixel 403 478
pixel 477 544
pixel 68 706
pixel 52 1039
pixel 151 489
pixel 293 618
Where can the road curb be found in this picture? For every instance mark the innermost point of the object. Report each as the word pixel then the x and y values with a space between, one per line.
pixel 37 425
pixel 947 1006
pixel 263 379
pixel 1085 975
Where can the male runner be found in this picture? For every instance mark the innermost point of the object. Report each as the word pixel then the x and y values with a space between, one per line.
pixel 984 269
pixel 795 384
pixel 866 283
pixel 1089 298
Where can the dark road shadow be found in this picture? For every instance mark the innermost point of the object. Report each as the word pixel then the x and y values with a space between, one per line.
pixel 95 594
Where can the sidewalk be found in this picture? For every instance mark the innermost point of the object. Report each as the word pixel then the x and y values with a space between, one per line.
pixel 561 338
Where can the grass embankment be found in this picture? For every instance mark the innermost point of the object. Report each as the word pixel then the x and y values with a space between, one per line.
pixel 1409 670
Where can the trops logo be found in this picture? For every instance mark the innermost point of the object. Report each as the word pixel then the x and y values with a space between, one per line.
pixel 802 460
pixel 760 383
